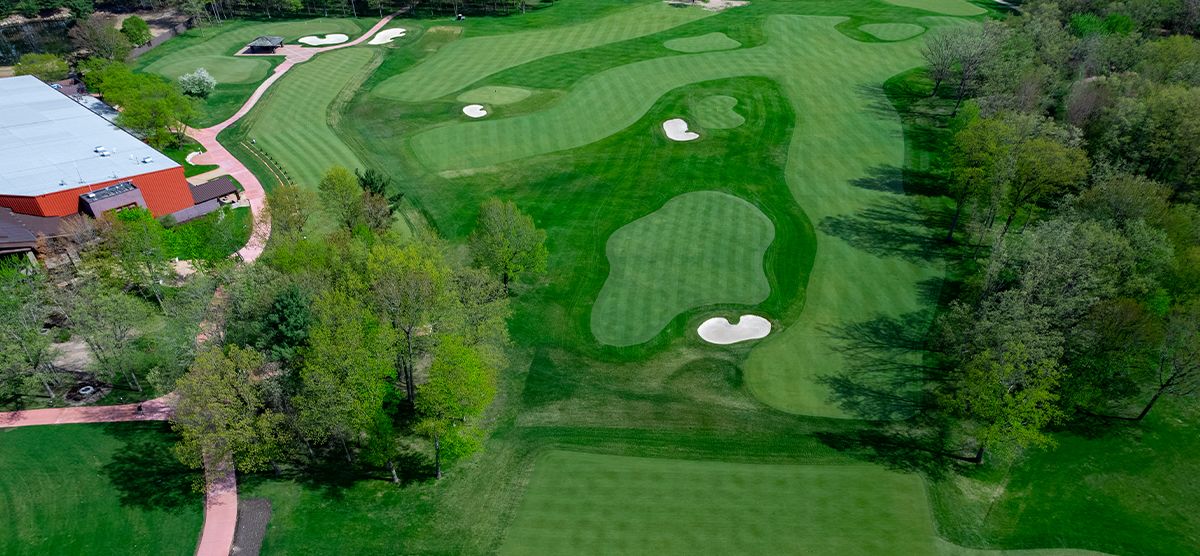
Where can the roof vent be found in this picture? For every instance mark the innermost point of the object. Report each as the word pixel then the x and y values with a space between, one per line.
pixel 99 149
pixel 147 160
pixel 105 153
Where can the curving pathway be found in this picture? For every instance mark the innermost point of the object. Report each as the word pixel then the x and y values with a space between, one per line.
pixel 220 506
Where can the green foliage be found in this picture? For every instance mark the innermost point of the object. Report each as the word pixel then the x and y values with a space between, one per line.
pixel 507 241
pixel 46 67
pixel 460 387
pixel 100 39
pixel 136 30
pixel 286 324
pixel 108 321
pixel 25 353
pixel 153 108
pixel 340 193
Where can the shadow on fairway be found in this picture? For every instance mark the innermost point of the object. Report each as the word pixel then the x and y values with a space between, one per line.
pixel 891 227
pixel 910 447
pixel 146 473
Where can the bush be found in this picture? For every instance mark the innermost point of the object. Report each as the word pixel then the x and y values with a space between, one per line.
pixel 136 30
pixel 62 335
pixel 46 67
pixel 198 83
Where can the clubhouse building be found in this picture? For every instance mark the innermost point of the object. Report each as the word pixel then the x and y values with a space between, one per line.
pixel 58 158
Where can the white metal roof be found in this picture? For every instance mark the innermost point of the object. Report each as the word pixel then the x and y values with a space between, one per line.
pixel 48 143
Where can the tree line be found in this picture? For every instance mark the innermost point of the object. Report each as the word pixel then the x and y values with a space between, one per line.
pixel 1073 161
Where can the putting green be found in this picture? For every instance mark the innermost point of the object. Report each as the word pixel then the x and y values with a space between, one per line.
pixel 495 95
pixel 700 248
pixel 892 31
pixel 948 7
pixel 716 112
pixel 703 43
pixel 225 69
pixel 215 54
pixel 466 61
pixel 839 137
pixel 292 124
pixel 96 490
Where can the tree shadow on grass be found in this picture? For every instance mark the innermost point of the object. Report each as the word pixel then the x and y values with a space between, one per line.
pixel 890 227
pixel 915 446
pixel 146 473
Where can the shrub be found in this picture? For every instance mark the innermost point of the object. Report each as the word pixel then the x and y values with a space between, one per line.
pixel 198 83
pixel 136 30
pixel 46 67
pixel 62 335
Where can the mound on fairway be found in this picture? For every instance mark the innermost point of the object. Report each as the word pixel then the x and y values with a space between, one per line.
pixel 334 38
pixel 701 248
pixel 703 43
pixel 677 130
pixel 716 112
pixel 948 7
pixel 749 327
pixel 385 36
pixel 474 110
pixel 588 504
pixel 495 96
pixel 892 31
pixel 96 490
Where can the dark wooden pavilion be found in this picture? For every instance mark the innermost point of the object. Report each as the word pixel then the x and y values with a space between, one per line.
pixel 265 45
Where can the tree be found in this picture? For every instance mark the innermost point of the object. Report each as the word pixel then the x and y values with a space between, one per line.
pixel 24 350
pixel 286 324
pixel 198 83
pixel 972 47
pixel 940 52
pixel 108 321
pixel 480 314
pixel 507 241
pixel 220 414
pixel 410 287
pixel 137 240
pixel 340 196
pixel 46 67
pixel 1042 167
pixel 1178 367
pixel 100 39
pixel 976 156
pixel 346 372
pixel 289 208
pixel 460 387
pixel 136 30
pixel 1010 395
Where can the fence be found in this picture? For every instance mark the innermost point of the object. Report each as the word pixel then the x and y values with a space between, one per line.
pixel 159 40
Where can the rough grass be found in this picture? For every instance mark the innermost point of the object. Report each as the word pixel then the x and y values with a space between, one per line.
pixel 703 43
pixel 180 155
pixel 95 490
pixel 892 31
pixel 587 504
pixel 700 248
pixel 463 62
pixel 948 7
pixel 716 112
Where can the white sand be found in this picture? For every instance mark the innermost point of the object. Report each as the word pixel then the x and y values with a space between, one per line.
pixel 385 36
pixel 719 331
pixel 336 38
pixel 677 129
pixel 474 110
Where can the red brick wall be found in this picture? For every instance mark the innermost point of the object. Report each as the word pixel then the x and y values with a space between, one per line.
pixel 165 191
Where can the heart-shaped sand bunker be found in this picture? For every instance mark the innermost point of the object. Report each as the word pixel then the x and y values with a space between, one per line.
pixel 677 130
pixel 719 331
pixel 474 110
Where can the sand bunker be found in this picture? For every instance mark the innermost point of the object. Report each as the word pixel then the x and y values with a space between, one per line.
pixel 677 129
pixel 385 36
pixel 335 38
pixel 474 110
pixel 719 331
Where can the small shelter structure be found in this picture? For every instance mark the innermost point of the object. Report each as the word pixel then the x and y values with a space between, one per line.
pixel 265 45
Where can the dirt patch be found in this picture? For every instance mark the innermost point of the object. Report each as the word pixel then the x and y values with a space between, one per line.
pixel 252 517
pixel 74 358
pixel 87 391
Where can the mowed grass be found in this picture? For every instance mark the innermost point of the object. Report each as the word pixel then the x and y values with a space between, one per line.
pixel 700 248
pixel 892 31
pixel 95 490
pixel 495 95
pixel 702 43
pixel 587 504
pixel 468 60
pixel 716 112
pixel 291 122
pixel 948 7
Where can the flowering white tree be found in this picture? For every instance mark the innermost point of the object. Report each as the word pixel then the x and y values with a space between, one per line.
pixel 198 83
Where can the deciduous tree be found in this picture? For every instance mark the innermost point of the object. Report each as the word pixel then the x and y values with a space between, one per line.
pixel 507 241
pixel 460 387
pixel 46 67
pixel 340 196
pixel 102 40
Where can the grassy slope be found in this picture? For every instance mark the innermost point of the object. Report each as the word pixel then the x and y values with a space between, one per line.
pixel 701 248
pixel 466 61
pixel 717 112
pixel 180 156
pixel 590 504
pixel 892 31
pixel 948 7
pixel 95 490
pixel 702 43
